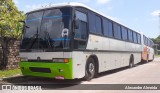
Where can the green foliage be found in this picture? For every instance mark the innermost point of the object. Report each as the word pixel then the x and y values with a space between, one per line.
pixel 156 40
pixel 8 73
pixel 156 56
pixel 9 19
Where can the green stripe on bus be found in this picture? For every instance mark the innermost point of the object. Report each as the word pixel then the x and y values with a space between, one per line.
pixel 54 68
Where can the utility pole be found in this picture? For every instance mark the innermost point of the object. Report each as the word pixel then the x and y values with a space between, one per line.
pixel 159 22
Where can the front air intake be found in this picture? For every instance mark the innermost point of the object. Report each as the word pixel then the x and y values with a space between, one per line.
pixel 37 69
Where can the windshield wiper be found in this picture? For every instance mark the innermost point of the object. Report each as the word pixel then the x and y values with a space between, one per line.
pixel 49 40
pixel 33 40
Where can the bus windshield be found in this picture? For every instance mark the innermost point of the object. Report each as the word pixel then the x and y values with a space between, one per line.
pixel 47 30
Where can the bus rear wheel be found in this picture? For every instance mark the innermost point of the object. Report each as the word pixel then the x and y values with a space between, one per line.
pixel 131 62
pixel 90 69
pixel 153 58
pixel 147 58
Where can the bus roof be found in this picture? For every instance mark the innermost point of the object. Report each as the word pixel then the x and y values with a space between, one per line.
pixel 62 5
pixel 77 5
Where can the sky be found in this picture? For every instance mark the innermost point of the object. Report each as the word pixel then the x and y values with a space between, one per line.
pixel 139 15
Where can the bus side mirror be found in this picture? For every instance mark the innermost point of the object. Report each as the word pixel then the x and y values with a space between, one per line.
pixel 77 23
pixel 21 21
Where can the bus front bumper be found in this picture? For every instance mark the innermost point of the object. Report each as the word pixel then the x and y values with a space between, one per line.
pixel 49 70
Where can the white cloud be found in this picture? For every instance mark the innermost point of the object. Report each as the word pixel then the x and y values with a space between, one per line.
pixel 85 1
pixel 16 1
pixel 102 1
pixel 156 13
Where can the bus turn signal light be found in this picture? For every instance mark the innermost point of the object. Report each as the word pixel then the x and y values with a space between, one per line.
pixel 62 60
pixel 66 60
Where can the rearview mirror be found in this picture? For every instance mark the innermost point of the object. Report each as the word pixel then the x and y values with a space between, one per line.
pixel 21 21
pixel 77 23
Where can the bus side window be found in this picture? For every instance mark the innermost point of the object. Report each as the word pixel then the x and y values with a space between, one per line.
pixel 107 27
pixel 92 24
pixel 124 34
pixel 134 37
pixel 80 32
pixel 98 25
pixel 117 31
pixel 130 35
pixel 139 38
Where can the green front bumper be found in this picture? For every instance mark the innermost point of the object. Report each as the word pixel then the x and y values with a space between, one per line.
pixel 55 69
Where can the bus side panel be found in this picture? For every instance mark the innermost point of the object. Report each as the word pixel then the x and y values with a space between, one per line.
pixel 138 54
pixel 151 53
pixel 95 42
pixel 79 61
pixel 116 52
pixel 144 53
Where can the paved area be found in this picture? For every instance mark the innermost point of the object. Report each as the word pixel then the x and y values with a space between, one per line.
pixel 148 73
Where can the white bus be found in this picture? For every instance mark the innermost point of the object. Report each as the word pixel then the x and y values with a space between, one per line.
pixel 147 49
pixel 69 41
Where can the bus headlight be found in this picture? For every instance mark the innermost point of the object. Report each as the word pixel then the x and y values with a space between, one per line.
pixel 65 60
pixel 24 59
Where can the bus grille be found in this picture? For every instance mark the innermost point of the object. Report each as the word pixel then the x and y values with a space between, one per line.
pixel 36 69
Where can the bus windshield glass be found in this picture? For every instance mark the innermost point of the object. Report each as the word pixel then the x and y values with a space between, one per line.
pixel 47 30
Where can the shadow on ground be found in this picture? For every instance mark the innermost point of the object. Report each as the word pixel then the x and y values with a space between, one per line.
pixel 119 70
pixel 54 84
pixel 45 83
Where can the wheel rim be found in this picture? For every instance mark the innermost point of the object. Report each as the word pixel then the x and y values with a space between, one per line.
pixel 91 70
pixel 131 62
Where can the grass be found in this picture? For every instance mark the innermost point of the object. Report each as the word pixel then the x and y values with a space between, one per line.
pixel 157 56
pixel 8 73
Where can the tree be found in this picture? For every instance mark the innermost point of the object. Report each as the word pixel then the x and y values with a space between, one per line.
pixel 156 40
pixel 9 19
pixel 9 28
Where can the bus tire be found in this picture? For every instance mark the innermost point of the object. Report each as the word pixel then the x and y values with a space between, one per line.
pixel 153 58
pixel 131 61
pixel 89 69
pixel 147 58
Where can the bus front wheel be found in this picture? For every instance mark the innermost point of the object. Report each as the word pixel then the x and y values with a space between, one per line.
pixel 89 69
